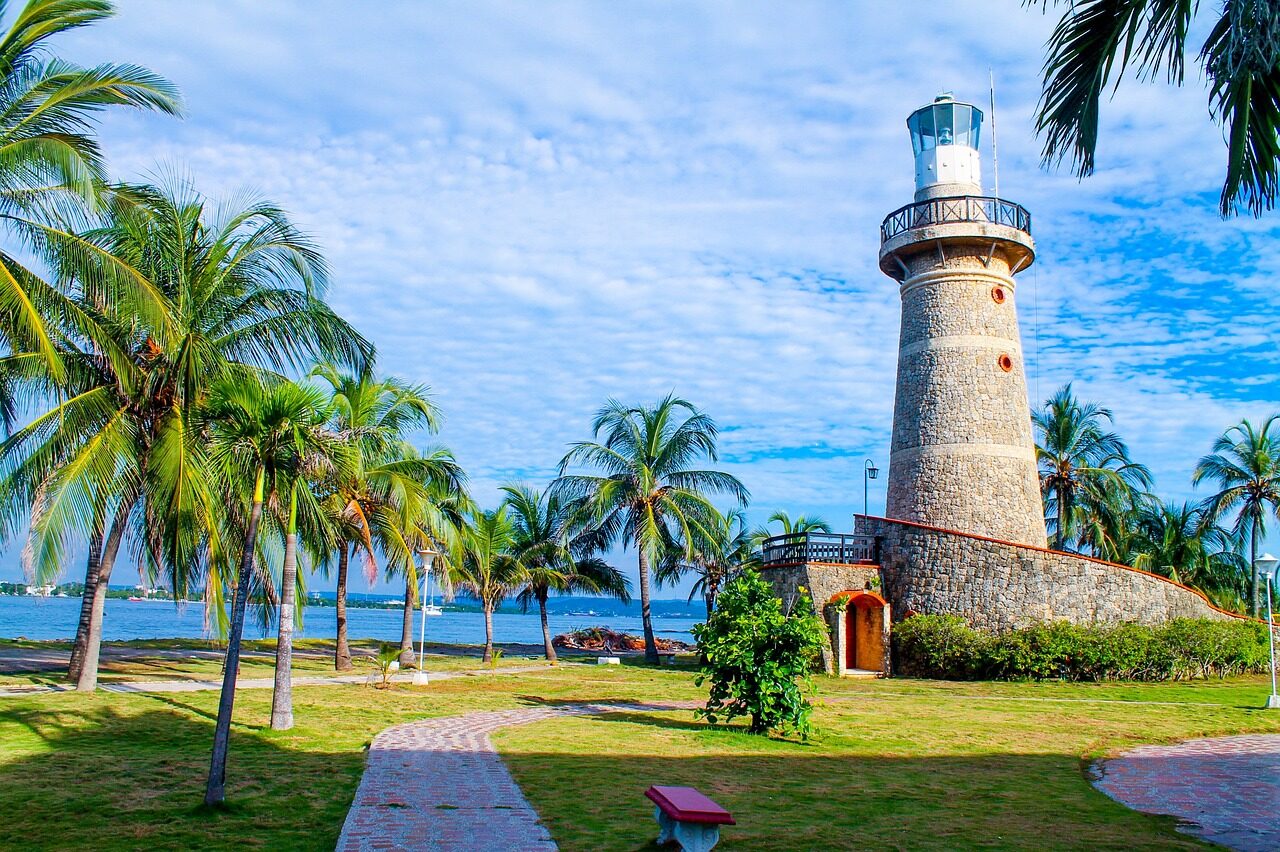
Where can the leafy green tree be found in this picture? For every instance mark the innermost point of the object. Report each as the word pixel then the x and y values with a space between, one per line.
pixel 1097 41
pixel 646 494
pixel 1077 456
pixel 242 290
pixel 52 172
pixel 395 492
pixel 789 526
pixel 757 658
pixel 543 531
pixel 256 434
pixel 1245 466
pixel 719 550
pixel 484 563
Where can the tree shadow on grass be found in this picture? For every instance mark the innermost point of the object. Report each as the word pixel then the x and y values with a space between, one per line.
pixel 102 778
pixel 801 800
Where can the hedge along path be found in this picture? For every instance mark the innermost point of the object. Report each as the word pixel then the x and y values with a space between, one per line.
pixel 440 785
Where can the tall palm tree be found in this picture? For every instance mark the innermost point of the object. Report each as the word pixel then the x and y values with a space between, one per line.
pixel 1245 466
pixel 484 563
pixel 718 552
pixel 1174 541
pixel 242 290
pixel 379 505
pixel 52 172
pixel 256 433
pixel 317 456
pixel 543 539
pixel 646 494
pixel 1097 41
pixel 1076 452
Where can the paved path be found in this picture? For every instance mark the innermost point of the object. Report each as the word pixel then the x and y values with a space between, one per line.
pixel 150 686
pixel 439 785
pixel 1226 789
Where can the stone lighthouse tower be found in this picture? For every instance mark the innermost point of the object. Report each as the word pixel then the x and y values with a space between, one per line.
pixel 963 454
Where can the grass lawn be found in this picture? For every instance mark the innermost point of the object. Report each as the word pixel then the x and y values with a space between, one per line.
pixel 895 764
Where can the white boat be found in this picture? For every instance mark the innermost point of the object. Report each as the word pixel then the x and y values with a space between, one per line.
pixel 432 609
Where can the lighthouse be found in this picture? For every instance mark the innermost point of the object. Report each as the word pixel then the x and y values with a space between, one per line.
pixel 963 453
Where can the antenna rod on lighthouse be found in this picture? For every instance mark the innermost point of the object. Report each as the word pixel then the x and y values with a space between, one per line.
pixel 995 151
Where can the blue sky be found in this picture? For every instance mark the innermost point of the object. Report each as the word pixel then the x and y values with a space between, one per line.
pixel 532 207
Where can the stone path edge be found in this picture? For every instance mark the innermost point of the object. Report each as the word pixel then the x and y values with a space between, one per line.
pixel 439 784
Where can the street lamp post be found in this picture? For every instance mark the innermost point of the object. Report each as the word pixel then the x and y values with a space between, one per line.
pixel 869 472
pixel 428 558
pixel 1266 565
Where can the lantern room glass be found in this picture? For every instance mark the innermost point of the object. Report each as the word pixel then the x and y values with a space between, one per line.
pixel 944 123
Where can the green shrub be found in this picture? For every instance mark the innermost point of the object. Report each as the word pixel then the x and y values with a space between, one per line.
pixel 758 658
pixel 944 646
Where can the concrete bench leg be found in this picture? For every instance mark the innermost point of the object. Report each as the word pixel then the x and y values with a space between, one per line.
pixel 666 826
pixel 694 837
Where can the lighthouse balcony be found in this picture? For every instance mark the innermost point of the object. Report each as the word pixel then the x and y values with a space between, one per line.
pixel 831 548
pixel 973 224
pixel 955 209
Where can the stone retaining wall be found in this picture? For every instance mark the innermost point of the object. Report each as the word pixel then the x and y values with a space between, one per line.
pixel 998 585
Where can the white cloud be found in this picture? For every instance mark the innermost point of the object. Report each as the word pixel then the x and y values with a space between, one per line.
pixel 535 207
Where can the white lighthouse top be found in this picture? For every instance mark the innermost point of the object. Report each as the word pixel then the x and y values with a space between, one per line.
pixel 944 137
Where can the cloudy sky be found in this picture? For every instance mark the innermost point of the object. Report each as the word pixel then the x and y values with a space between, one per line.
pixel 533 207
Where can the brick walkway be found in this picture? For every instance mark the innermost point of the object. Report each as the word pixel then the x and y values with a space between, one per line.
pixel 439 785
pixel 1226 789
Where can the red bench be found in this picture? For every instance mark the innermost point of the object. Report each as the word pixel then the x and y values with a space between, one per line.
pixel 687 817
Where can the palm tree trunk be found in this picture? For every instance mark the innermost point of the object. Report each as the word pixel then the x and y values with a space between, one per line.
pixel 1253 569
pixel 650 645
pixel 406 626
pixel 94 559
pixel 87 680
pixel 215 790
pixel 282 693
pixel 548 648
pixel 488 632
pixel 342 654
pixel 1062 517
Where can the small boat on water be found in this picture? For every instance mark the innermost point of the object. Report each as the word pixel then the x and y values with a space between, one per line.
pixel 432 609
pixel 133 598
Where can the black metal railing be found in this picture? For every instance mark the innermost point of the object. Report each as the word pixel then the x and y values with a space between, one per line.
pixel 819 547
pixel 961 208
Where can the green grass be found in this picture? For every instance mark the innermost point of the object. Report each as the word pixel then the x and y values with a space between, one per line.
pixel 895 764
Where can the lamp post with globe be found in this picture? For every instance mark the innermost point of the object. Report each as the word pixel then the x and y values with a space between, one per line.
pixel 1266 565
pixel 428 558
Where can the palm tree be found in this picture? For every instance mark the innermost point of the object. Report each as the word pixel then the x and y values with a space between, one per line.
pixel 383 499
pixel 242 289
pixel 484 563
pixel 52 172
pixel 317 456
pixel 1175 542
pixel 1245 465
pixel 256 433
pixel 719 551
pixel 1096 39
pixel 646 493
pixel 1076 453
pixel 801 524
pixel 543 531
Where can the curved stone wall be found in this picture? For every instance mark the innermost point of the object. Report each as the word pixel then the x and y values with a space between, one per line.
pixel 998 585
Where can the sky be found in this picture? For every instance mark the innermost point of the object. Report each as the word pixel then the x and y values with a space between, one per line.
pixel 534 207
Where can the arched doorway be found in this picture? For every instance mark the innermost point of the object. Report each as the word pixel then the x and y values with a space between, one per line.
pixel 864 632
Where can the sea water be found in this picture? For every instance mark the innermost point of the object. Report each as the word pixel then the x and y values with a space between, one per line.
pixel 32 617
